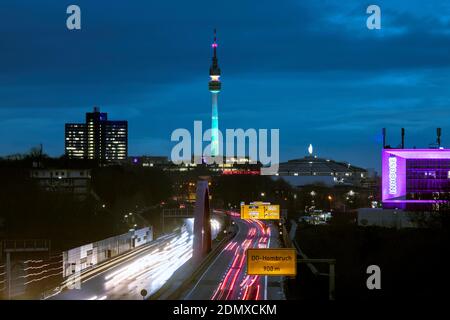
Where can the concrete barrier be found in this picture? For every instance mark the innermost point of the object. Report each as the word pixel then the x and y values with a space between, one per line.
pixel 180 281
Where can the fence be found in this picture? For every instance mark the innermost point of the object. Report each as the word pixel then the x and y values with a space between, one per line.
pixel 80 258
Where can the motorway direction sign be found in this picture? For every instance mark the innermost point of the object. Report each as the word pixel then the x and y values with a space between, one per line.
pixel 262 211
pixel 272 262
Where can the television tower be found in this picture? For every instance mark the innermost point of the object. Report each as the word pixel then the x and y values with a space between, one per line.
pixel 214 88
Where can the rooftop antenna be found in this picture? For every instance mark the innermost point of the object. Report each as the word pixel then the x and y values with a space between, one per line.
pixel 403 138
pixel 383 131
pixel 439 131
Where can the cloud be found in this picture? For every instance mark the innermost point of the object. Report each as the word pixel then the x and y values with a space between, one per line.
pixel 310 68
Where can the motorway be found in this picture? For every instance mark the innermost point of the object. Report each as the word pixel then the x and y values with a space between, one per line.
pixel 147 267
pixel 151 266
pixel 226 277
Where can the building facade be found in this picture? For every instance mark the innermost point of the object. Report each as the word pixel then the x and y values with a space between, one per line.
pixel 75 143
pixel 416 179
pixel 97 139
pixel 75 182
pixel 77 259
pixel 311 169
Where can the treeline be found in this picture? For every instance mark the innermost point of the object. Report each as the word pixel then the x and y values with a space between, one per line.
pixel 27 211
pixel 231 190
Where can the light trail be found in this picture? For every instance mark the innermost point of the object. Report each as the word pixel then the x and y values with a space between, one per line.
pixel 147 268
pixel 257 292
pixel 43 265
pixel 155 267
pixel 90 274
pixel 42 278
pixel 33 261
pixel 236 283
pixel 42 272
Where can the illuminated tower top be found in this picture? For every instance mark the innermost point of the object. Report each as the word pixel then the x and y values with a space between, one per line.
pixel 214 70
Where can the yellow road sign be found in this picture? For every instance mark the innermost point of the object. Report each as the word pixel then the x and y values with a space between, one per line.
pixel 272 211
pixel 260 211
pixel 272 262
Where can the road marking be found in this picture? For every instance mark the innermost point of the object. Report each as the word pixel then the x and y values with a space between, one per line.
pixel 201 278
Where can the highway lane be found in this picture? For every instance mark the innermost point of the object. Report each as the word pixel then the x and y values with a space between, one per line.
pixel 124 277
pixel 226 277
pixel 148 267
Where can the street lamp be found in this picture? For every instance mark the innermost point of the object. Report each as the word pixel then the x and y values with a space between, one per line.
pixel 330 198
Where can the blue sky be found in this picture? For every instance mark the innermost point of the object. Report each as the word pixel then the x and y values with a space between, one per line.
pixel 310 68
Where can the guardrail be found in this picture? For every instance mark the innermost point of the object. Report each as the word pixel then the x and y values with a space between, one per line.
pixel 99 268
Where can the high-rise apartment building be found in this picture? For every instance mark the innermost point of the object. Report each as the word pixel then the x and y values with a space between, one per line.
pixel 97 139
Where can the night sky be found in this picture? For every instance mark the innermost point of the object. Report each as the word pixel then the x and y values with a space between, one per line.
pixel 310 68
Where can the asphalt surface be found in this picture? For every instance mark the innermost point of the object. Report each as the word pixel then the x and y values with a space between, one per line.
pixel 226 277
pixel 124 277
